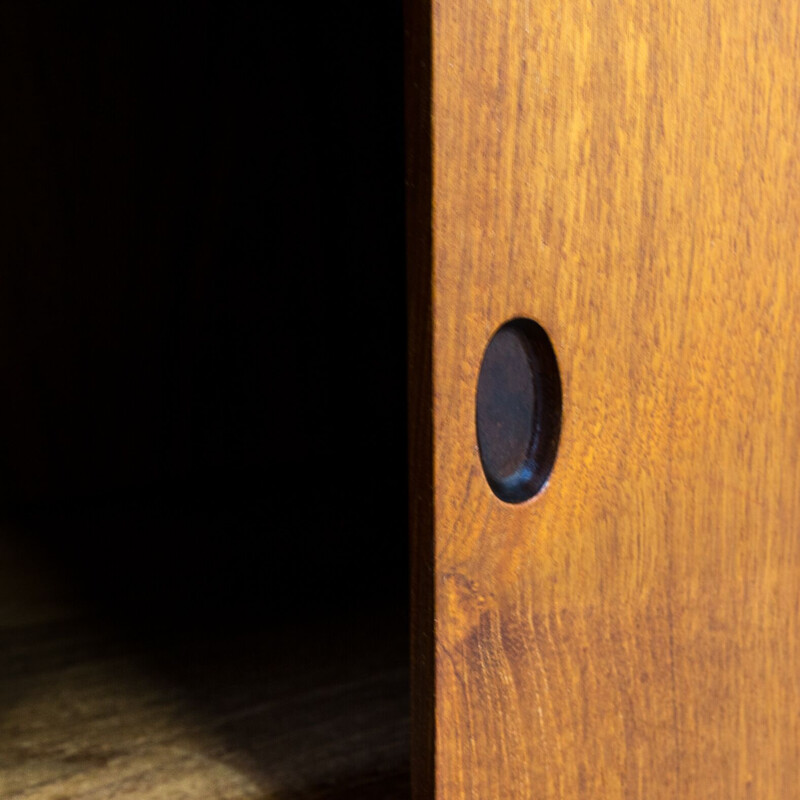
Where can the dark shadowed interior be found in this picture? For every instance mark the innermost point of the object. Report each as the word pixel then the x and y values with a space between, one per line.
pixel 202 351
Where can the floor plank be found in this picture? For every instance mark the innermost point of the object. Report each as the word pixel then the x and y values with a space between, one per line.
pixel 90 712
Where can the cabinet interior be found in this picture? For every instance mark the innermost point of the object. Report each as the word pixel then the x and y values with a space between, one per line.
pixel 204 490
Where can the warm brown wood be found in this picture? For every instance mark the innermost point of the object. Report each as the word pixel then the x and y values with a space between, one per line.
pixel 627 174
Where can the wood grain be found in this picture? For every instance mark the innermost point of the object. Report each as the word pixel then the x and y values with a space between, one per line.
pixel 311 711
pixel 626 173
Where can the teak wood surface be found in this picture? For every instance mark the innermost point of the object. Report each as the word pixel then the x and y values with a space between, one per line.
pixel 628 175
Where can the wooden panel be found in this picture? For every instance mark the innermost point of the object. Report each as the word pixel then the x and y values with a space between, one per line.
pixel 627 174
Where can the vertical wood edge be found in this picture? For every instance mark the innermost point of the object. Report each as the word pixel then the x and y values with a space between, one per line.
pixel 418 188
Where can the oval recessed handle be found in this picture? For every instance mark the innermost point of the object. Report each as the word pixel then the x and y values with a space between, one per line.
pixel 518 410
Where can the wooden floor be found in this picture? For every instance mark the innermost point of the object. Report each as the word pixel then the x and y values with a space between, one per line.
pixel 89 711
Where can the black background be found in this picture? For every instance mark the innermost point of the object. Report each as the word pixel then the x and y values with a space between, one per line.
pixel 202 305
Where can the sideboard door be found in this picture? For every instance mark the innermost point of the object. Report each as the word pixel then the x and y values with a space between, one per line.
pixel 627 176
